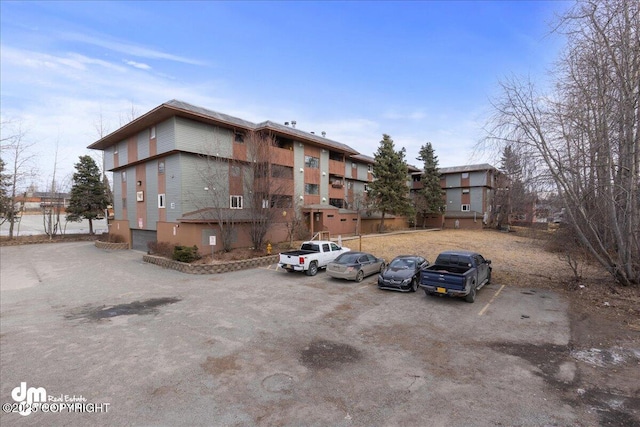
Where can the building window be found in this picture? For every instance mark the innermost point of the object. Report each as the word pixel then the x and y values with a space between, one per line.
pixel 161 167
pixel 161 201
pixel 353 165
pixel 278 171
pixel 152 132
pixel 281 201
pixel 465 175
pixel 311 189
pixel 235 202
pixel 239 137
pixel 311 162
pixel 366 188
pixel 465 191
pixel 370 168
pixel 349 185
pixel 466 208
pixel 123 174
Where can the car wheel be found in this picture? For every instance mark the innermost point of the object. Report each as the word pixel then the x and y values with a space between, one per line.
pixel 313 269
pixel 360 276
pixel 471 296
pixel 414 285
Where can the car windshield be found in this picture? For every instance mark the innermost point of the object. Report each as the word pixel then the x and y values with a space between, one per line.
pixel 348 258
pixel 401 263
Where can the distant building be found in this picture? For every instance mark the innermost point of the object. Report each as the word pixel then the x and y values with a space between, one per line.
pixel 37 201
pixel 469 193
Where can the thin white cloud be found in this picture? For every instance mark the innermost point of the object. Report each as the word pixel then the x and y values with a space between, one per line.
pixel 138 65
pixel 128 48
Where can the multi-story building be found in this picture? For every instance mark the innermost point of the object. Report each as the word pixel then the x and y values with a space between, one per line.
pixel 469 193
pixel 178 169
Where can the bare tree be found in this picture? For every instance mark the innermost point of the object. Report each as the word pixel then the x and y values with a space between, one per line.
pixel 268 186
pixel 216 208
pixel 584 136
pixel 20 167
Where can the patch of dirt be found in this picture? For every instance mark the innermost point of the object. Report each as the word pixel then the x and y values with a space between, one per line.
pixel 104 312
pixel 328 354
pixel 220 365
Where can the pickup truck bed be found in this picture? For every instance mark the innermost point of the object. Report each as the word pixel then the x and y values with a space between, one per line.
pixel 456 273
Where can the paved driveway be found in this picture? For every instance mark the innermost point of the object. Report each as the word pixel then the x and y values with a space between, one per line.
pixel 148 346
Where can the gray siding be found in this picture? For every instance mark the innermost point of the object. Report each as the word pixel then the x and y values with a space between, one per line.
pixel 324 176
pixel 194 180
pixel 165 136
pixel 117 195
pixel 131 198
pixel 151 195
pixel 173 177
pixel 476 198
pixel 143 144
pixel 363 172
pixel 123 154
pixel 202 138
pixel 478 179
pixel 108 158
pixel 454 199
pixel 453 180
pixel 298 178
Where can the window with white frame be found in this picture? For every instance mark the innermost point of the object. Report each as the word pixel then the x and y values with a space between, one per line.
pixel 466 208
pixel 235 202
pixel 370 168
pixel 161 201
pixel 465 191
pixel 161 167
pixel 124 176
pixel 366 188
pixel 465 175
pixel 152 133
pixel 311 162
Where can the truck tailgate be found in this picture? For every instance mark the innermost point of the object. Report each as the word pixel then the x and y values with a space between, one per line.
pixel 443 280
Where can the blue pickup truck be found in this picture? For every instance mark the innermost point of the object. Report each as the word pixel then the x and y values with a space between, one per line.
pixel 456 273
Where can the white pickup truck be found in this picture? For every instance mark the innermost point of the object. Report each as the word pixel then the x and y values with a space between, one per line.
pixel 311 256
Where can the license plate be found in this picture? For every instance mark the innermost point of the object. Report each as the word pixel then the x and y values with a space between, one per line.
pixel 441 290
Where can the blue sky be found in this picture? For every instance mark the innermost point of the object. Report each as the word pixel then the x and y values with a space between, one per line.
pixel 418 71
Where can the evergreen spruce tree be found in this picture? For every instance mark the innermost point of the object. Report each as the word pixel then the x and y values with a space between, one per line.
pixel 88 195
pixel 429 199
pixel 389 192
pixel 5 200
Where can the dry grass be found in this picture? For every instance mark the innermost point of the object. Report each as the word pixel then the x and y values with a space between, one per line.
pixel 518 259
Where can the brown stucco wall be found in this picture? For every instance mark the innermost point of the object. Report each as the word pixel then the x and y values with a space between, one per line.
pixel 120 227
pixel 466 223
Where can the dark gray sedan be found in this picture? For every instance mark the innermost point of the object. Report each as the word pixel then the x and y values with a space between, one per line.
pixel 354 265
pixel 402 273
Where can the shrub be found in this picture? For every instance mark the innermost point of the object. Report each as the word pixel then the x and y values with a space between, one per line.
pixel 186 253
pixel 163 249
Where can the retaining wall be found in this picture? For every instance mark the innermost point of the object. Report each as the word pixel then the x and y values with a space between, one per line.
pixel 210 268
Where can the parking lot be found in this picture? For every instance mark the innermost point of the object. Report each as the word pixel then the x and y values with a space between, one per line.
pixel 264 347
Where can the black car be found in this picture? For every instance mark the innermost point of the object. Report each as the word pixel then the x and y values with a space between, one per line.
pixel 402 274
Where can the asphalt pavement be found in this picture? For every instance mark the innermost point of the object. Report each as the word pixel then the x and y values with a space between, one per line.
pixel 130 343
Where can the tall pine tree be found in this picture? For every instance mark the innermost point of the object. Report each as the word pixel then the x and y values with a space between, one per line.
pixel 6 209
pixel 430 198
pixel 389 192
pixel 88 195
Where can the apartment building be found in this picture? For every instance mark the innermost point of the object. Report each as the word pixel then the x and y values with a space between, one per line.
pixel 178 165
pixel 469 193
